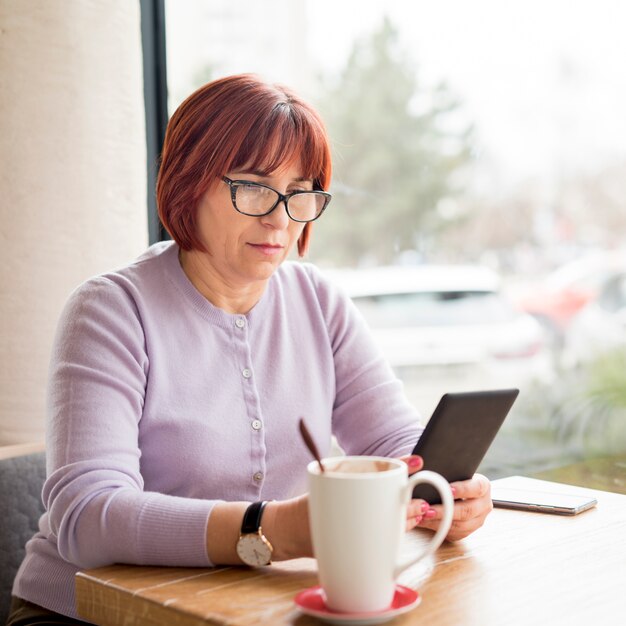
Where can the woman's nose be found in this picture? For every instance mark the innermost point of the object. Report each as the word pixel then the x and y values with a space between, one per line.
pixel 278 218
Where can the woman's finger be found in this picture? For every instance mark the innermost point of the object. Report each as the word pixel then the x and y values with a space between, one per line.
pixel 458 530
pixel 414 462
pixel 476 487
pixel 416 508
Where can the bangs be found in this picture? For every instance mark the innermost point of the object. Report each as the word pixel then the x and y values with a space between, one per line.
pixel 290 134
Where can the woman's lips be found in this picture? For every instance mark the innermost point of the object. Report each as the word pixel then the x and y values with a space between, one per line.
pixel 267 249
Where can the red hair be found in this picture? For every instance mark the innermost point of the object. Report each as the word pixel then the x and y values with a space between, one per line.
pixel 234 123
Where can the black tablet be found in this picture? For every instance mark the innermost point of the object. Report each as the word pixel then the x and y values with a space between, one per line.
pixel 459 433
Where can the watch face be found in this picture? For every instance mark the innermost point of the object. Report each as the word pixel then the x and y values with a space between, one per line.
pixel 254 550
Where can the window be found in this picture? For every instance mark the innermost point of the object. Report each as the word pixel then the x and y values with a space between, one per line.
pixel 463 142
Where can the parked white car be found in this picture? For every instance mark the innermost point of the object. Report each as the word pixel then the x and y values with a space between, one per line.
pixel 448 328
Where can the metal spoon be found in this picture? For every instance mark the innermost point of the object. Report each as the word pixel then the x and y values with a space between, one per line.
pixel 310 444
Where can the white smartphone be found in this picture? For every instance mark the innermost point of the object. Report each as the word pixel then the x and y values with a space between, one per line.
pixel 539 498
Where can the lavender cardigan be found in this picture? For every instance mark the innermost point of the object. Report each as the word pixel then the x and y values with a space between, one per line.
pixel 161 405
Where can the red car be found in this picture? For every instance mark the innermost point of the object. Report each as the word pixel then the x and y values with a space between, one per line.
pixel 565 292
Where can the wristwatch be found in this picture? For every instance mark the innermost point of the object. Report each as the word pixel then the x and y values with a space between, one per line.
pixel 253 547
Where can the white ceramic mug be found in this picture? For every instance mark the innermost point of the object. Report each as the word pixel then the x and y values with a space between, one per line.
pixel 357 510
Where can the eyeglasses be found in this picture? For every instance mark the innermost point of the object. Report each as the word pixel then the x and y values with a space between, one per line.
pixel 256 200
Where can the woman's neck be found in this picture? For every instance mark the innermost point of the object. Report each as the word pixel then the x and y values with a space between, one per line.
pixel 219 291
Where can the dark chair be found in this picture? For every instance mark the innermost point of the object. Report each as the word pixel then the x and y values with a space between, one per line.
pixel 22 474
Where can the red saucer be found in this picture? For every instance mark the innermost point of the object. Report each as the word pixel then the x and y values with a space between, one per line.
pixel 312 602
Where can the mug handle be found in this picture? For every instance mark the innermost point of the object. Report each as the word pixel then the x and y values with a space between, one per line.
pixel 443 487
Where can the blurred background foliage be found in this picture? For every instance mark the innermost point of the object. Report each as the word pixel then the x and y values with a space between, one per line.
pixel 581 416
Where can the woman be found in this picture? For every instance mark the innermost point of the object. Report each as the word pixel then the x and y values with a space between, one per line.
pixel 177 382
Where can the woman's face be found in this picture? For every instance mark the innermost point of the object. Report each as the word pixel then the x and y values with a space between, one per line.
pixel 244 249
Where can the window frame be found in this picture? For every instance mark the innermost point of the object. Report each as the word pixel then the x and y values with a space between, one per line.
pixel 155 102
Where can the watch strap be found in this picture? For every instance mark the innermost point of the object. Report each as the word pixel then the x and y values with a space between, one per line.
pixel 252 518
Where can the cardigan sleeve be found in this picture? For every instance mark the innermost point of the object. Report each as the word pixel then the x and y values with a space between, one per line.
pixel 371 414
pixel 97 509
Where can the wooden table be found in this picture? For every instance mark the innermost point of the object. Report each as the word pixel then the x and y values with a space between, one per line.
pixel 519 568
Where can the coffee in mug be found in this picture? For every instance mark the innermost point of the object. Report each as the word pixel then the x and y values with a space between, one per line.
pixel 357 511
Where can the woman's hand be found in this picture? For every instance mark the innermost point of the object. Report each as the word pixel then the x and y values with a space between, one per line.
pixel 471 507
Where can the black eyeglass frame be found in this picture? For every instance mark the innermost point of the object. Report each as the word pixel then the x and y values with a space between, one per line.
pixel 284 198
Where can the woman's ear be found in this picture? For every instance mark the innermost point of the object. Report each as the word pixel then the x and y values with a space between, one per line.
pixel 304 239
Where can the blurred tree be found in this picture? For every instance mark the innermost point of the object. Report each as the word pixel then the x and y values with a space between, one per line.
pixel 397 155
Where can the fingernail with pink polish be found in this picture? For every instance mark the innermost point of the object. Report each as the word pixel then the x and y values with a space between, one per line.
pixel 415 461
pixel 425 507
pixel 430 514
